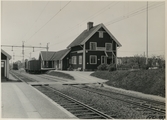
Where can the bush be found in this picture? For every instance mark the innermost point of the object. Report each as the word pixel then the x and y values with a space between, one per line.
pixel 145 67
pixel 145 81
pixel 102 67
pixel 111 67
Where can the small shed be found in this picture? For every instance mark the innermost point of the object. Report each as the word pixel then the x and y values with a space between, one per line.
pixel 5 57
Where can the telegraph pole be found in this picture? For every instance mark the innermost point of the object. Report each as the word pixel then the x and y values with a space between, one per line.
pixel 47 47
pixel 30 55
pixel 147 35
pixel 23 50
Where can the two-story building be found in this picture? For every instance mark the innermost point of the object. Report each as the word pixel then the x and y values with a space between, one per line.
pixel 94 46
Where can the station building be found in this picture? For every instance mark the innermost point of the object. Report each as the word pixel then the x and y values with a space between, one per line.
pixel 94 46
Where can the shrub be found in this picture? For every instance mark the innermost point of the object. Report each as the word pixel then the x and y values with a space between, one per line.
pixel 145 67
pixel 111 67
pixel 102 67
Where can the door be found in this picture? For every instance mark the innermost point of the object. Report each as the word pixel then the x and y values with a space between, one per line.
pixel 2 68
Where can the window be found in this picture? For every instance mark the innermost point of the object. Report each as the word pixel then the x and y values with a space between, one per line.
pixel 80 59
pixel 2 64
pixel 103 59
pixel 93 45
pixel 93 59
pixel 46 63
pixel 100 34
pixel 108 46
pixel 74 59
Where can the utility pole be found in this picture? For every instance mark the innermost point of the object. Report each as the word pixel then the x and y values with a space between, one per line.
pixel 47 48
pixel 23 50
pixel 30 55
pixel 147 35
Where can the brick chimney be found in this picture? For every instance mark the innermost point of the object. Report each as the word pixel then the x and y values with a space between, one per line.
pixel 89 25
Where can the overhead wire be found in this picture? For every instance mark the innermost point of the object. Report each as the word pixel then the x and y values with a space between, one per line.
pixel 36 20
pixel 130 13
pixel 92 16
pixel 48 21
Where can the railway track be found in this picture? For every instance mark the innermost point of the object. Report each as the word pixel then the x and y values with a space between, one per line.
pixel 21 77
pixel 154 109
pixel 77 108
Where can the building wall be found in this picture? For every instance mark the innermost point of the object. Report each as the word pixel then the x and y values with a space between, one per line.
pixel 101 41
pixel 100 51
pixel 66 62
pixel 5 59
pixel 77 65
pixel 88 65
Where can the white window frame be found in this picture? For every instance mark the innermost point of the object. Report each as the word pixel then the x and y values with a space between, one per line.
pixel 95 45
pixel 101 34
pixel 106 46
pixel 95 59
pixel 80 59
pixel 105 59
pixel 74 59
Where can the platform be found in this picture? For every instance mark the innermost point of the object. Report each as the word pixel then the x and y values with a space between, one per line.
pixel 20 100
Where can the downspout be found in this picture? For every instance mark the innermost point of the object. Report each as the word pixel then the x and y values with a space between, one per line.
pixel 116 56
pixel 84 57
pixel 7 68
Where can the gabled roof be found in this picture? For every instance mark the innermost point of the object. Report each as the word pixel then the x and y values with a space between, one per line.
pixel 47 55
pixel 59 55
pixel 85 35
pixel 5 53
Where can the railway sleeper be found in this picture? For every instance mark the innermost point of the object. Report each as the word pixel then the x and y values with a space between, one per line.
pixel 69 105
pixel 78 108
pixel 79 111
pixel 64 104
pixel 86 115
pixel 92 117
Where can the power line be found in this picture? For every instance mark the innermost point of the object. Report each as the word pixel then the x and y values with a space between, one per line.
pixel 92 16
pixel 132 14
pixel 49 21
pixel 122 17
pixel 36 19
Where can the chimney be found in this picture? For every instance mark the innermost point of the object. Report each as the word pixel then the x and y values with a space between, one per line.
pixel 89 25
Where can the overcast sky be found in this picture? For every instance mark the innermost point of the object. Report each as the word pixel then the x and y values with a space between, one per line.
pixel 59 23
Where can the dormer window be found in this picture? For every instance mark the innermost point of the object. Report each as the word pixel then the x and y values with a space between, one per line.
pixel 108 46
pixel 93 45
pixel 100 34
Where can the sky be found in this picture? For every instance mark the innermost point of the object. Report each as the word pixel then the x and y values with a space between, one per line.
pixel 58 23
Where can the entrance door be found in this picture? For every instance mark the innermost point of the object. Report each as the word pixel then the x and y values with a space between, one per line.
pixel 2 68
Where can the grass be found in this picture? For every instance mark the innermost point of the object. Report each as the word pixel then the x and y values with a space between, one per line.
pixel 145 81
pixel 60 74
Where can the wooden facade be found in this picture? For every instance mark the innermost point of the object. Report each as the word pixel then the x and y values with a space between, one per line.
pixel 93 48
pixel 45 60
pixel 5 57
